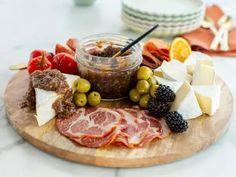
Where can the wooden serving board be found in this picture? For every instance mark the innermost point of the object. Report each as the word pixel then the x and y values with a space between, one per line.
pixel 202 132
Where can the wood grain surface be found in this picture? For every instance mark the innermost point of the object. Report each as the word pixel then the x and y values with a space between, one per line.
pixel 202 132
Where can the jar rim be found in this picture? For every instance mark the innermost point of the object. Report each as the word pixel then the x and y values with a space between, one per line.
pixel 136 47
pixel 79 45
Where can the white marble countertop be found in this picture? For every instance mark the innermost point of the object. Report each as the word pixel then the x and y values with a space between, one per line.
pixel 29 24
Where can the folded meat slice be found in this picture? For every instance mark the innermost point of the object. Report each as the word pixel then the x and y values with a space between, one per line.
pixel 91 127
pixel 154 52
pixel 158 128
pixel 132 129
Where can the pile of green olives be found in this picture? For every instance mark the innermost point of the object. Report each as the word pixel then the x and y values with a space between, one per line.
pixel 145 88
pixel 81 95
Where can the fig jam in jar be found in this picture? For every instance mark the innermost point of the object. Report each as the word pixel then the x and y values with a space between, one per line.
pixel 111 77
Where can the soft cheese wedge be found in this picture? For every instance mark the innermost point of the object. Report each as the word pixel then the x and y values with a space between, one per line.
pixel 45 99
pixel 174 73
pixel 174 85
pixel 190 68
pixel 186 102
pixel 208 98
pixel 203 75
pixel 197 58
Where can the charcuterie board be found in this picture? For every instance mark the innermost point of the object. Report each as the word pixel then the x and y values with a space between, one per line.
pixel 202 132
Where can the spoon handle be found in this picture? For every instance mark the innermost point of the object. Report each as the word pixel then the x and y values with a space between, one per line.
pixel 224 42
pixel 215 42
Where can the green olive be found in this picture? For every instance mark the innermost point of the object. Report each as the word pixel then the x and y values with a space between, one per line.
pixel 94 98
pixel 143 102
pixel 134 95
pixel 80 99
pixel 152 81
pixel 83 85
pixel 153 90
pixel 144 72
pixel 74 86
pixel 142 86
pixel 158 73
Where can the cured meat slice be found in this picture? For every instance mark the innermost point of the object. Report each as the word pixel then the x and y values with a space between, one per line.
pixel 158 129
pixel 92 127
pixel 132 129
pixel 94 142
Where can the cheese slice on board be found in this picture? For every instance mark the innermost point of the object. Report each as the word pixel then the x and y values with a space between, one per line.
pixel 45 99
pixel 174 85
pixel 173 73
pixel 203 75
pixel 186 102
pixel 208 98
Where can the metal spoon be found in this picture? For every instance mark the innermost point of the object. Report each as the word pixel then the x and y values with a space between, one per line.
pixel 224 46
pixel 208 23
pixel 225 22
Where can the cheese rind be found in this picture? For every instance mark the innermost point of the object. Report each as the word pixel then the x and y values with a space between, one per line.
pixel 208 98
pixel 186 102
pixel 173 73
pixel 203 75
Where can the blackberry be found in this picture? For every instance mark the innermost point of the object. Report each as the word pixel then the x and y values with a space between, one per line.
pixel 175 122
pixel 158 109
pixel 164 94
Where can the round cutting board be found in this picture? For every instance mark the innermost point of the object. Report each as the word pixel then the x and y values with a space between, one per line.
pixel 202 132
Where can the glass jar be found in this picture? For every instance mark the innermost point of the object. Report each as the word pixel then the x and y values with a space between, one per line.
pixel 111 77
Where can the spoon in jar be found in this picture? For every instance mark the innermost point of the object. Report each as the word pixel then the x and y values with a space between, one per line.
pixel 135 41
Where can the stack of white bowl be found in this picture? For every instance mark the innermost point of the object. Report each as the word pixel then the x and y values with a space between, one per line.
pixel 175 17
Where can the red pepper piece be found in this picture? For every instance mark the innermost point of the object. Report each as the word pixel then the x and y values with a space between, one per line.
pixel 39 63
pixel 62 49
pixel 65 63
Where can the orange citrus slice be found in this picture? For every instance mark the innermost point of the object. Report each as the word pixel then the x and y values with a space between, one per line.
pixel 179 49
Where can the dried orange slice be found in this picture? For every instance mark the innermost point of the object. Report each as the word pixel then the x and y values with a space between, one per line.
pixel 179 49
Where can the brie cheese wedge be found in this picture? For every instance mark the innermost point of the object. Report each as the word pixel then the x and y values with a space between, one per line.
pixel 203 75
pixel 174 73
pixel 174 85
pixel 186 102
pixel 208 98
pixel 197 58
pixel 45 99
